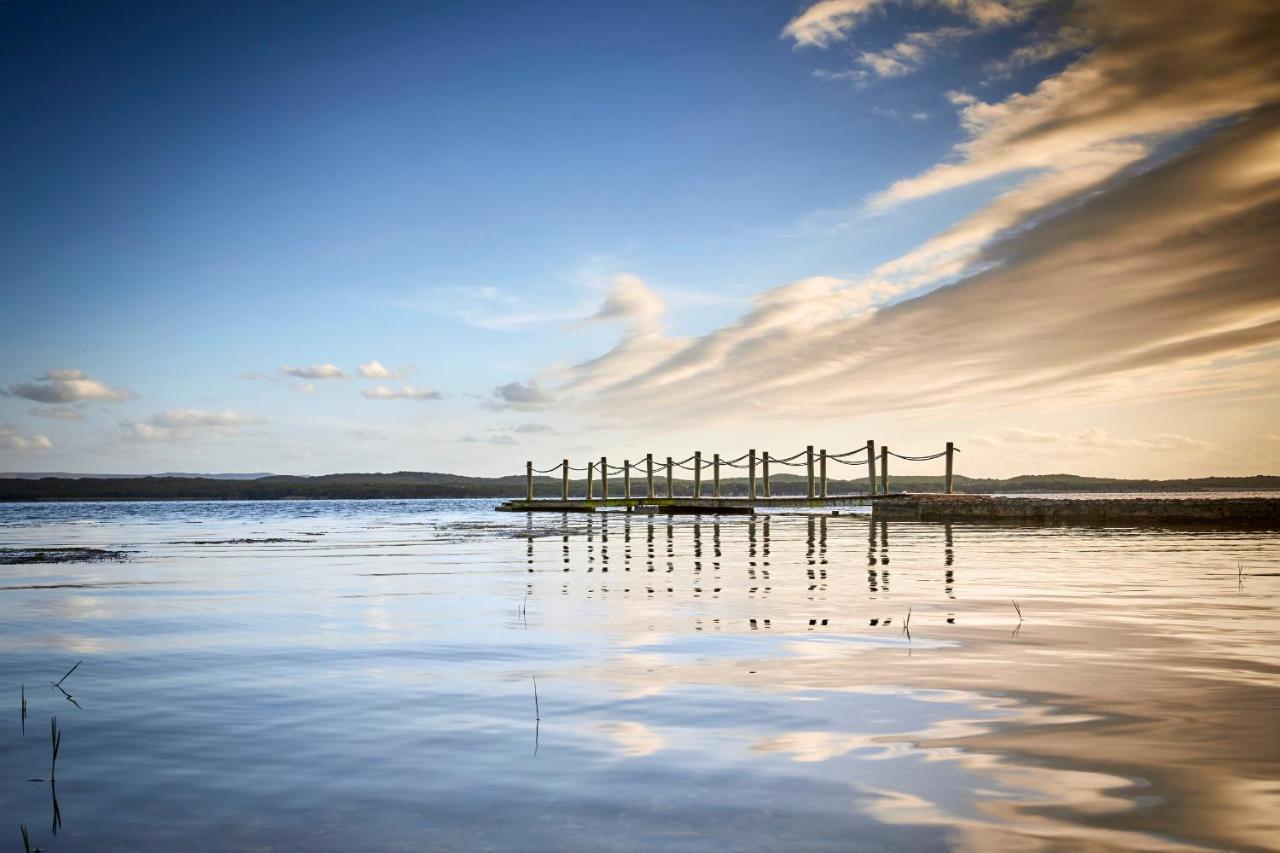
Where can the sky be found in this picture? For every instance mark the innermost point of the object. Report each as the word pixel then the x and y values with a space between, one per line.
pixel 379 236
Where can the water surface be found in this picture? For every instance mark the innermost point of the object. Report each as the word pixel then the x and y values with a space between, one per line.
pixel 361 675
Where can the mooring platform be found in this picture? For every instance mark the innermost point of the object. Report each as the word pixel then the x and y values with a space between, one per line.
pixel 1086 509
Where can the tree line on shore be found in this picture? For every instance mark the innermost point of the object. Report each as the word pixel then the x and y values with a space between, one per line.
pixel 405 485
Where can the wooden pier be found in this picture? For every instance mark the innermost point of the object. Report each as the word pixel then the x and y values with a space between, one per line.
pixel 658 491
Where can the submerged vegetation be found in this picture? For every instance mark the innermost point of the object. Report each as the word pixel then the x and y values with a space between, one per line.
pixel 412 484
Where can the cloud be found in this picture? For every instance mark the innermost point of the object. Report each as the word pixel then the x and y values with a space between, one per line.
pixel 408 392
pixel 1146 286
pixel 375 370
pixel 531 428
pixel 67 386
pixel 491 308
pixel 315 371
pixel 520 395
pixel 905 57
pixel 500 439
pixel 1091 440
pixel 58 413
pixel 187 424
pixel 12 439
pixel 829 21
pixel 1154 71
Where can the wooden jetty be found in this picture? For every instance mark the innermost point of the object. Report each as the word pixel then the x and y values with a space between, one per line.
pixel 657 492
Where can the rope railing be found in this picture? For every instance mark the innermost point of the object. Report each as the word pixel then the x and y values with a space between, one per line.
pixel 757 464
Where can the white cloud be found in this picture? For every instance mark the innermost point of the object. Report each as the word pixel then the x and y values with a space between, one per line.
pixel 520 395
pixel 827 21
pixel 1092 439
pixel 408 392
pixel 58 413
pixel 375 370
pixel 12 439
pixel 830 21
pixel 315 371
pixel 188 424
pixel 67 386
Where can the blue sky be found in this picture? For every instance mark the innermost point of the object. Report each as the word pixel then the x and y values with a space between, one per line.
pixel 203 192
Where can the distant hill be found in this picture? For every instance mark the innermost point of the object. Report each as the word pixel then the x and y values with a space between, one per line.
pixel 65 475
pixel 420 484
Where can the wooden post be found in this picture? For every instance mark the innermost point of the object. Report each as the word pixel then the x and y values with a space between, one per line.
pixel 884 469
pixel 751 475
pixel 564 481
pixel 626 478
pixel 604 479
pixel 951 479
pixel 808 458
pixel 715 475
pixel 697 474
pixel 671 488
pixel 591 469
pixel 822 470
pixel 648 471
pixel 528 480
pixel 764 470
pixel 871 467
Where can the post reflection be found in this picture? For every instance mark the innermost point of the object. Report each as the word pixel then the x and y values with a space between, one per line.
pixel 794 559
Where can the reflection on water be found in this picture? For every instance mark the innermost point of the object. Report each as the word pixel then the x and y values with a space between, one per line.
pixel 408 675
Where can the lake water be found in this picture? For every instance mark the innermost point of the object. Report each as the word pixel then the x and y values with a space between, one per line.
pixel 361 675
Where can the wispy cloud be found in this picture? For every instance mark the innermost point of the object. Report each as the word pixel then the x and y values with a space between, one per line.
pixel 58 413
pixel 67 385
pixel 11 438
pixel 188 424
pixel 315 371
pixel 1093 439
pixel 407 392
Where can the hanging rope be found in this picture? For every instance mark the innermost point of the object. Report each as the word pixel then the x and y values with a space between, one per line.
pixel 916 458
pixel 846 461
pixel 553 469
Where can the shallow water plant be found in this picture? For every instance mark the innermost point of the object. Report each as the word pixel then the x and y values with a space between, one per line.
pixel 55 739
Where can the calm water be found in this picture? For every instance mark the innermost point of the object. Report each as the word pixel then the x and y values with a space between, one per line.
pixel 361 676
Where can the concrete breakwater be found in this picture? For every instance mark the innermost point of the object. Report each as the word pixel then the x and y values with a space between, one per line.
pixel 1154 510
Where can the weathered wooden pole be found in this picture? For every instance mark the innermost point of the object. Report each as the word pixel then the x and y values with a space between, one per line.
pixel 591 469
pixel 871 467
pixel 715 471
pixel 528 480
pixel 697 474
pixel 671 487
pixel 764 470
pixel 884 469
pixel 808 460
pixel 564 481
pixel 822 470
pixel 751 473
pixel 648 471
pixel 604 479
pixel 626 478
pixel 951 479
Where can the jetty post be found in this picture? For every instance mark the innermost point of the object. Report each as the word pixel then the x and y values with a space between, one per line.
pixel 648 472
pixel 626 478
pixel 884 469
pixel 591 468
pixel 671 489
pixel 751 475
pixel 528 479
pixel 564 481
pixel 951 479
pixel 871 467
pixel 697 474
pixel 764 467
pixel 715 475
pixel 808 463
pixel 822 471
pixel 604 479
